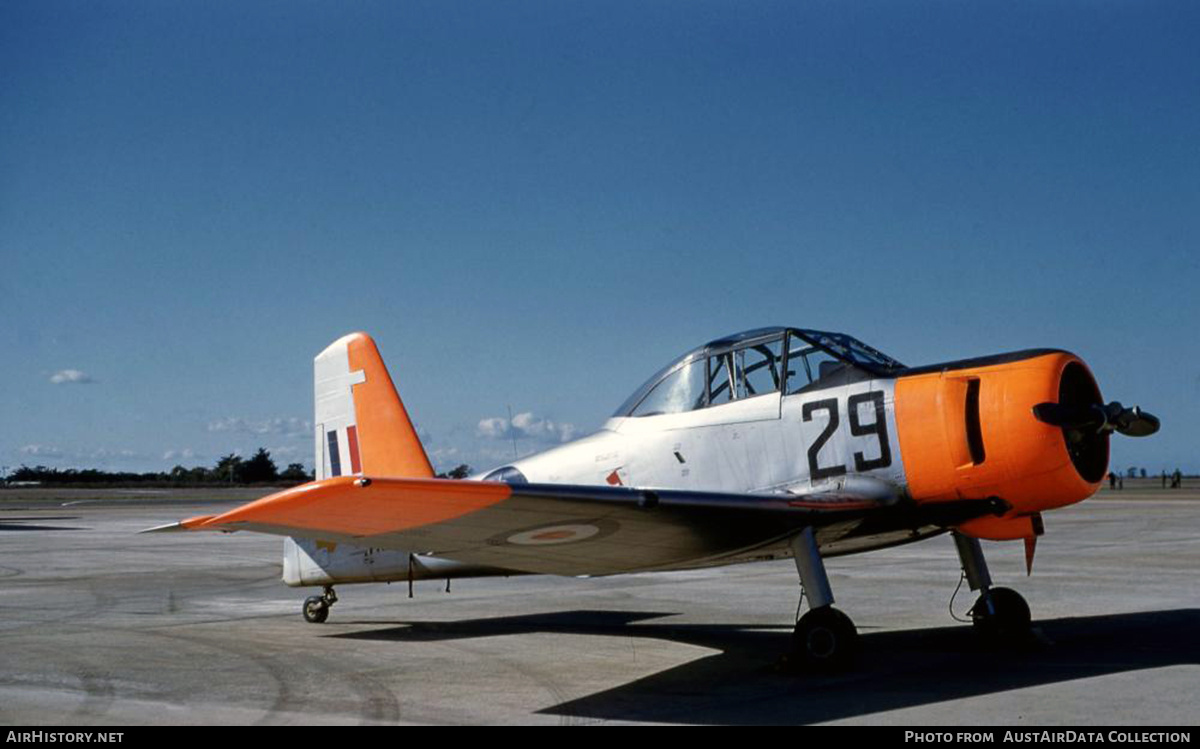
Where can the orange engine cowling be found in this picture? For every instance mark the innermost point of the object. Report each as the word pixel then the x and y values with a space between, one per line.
pixel 967 431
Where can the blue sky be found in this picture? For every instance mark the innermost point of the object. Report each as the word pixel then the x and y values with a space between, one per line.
pixel 536 205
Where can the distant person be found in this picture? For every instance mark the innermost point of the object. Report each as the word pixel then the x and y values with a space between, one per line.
pixel 1164 479
pixel 1112 480
pixel 1177 480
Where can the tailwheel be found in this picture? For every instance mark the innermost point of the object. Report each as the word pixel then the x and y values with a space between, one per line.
pixel 316 608
pixel 825 639
pixel 1001 615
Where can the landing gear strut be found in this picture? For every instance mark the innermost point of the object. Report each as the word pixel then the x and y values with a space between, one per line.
pixel 824 638
pixel 1001 615
pixel 316 608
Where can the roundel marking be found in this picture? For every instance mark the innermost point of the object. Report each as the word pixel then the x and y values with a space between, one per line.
pixel 554 534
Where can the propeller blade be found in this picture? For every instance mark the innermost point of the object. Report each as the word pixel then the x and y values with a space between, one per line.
pixel 1132 422
pixel 1070 417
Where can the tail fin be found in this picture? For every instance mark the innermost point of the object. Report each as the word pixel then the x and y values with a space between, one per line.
pixel 361 425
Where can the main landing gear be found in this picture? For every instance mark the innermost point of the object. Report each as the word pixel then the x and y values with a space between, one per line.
pixel 824 639
pixel 316 608
pixel 1000 615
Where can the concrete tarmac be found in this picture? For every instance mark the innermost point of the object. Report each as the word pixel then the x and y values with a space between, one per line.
pixel 102 626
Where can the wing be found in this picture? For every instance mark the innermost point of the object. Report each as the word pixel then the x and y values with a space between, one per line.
pixel 552 528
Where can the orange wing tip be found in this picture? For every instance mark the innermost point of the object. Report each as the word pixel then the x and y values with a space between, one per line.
pixel 190 524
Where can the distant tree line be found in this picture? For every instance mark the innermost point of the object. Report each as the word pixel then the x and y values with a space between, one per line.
pixel 231 469
pixel 460 471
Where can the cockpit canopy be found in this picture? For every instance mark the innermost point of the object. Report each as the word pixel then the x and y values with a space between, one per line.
pixel 756 362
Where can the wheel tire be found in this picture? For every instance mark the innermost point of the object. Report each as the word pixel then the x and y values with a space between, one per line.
pixel 1010 621
pixel 825 640
pixel 315 610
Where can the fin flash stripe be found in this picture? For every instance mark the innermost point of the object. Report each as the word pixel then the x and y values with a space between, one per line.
pixel 352 438
pixel 335 457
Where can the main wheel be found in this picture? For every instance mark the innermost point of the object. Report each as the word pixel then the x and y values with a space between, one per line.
pixel 315 610
pixel 1008 620
pixel 825 639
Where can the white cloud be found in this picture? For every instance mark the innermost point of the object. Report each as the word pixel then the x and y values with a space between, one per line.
pixel 71 377
pixel 287 427
pixel 496 428
pixel 185 454
pixel 41 451
pixel 444 458
pixel 526 426
pixel 290 454
pixel 102 454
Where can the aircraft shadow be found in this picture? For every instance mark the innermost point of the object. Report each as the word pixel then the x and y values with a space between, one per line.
pixel 8 523
pixel 742 684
